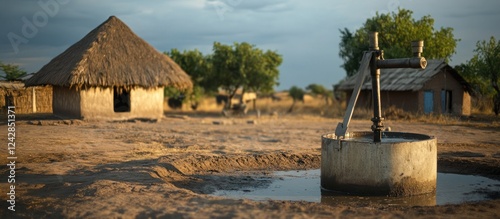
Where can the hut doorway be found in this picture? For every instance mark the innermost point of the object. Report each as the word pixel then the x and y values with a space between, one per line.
pixel 9 100
pixel 121 100
pixel 446 105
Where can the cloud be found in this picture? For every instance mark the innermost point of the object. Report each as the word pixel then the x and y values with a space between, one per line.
pixel 304 32
pixel 252 5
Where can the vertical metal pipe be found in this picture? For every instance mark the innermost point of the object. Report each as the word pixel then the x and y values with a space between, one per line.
pixel 373 41
pixel 375 73
pixel 377 109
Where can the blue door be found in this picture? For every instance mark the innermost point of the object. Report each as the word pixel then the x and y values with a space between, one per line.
pixel 428 101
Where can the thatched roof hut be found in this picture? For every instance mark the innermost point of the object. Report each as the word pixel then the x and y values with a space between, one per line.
pixel 110 73
pixel 111 55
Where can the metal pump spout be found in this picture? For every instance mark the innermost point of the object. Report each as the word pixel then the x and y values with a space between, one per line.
pixel 373 60
pixel 417 47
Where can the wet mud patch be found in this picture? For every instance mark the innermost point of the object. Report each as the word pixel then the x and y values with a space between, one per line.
pixel 207 174
pixel 304 185
pixel 483 166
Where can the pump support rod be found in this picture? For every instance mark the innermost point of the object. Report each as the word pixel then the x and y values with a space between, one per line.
pixel 363 72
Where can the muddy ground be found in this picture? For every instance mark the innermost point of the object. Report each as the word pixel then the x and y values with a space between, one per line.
pixel 167 169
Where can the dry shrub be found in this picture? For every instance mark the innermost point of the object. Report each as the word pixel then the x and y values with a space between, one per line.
pixel 360 113
pixel 206 104
pixel 315 106
pixel 309 106
pixel 440 119
pixel 394 113
pixel 482 105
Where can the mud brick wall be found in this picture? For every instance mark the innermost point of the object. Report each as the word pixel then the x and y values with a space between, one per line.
pixel 22 99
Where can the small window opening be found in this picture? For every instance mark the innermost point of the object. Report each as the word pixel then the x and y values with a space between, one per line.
pixel 121 100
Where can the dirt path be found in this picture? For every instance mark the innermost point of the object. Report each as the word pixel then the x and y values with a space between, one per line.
pixel 140 169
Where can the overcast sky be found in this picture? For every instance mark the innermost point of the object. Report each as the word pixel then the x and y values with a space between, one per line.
pixel 306 33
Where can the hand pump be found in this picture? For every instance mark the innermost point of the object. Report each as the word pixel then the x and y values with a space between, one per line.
pixel 374 61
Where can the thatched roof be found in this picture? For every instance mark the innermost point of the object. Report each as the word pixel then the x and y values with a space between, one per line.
pixel 406 79
pixel 111 55
pixel 11 85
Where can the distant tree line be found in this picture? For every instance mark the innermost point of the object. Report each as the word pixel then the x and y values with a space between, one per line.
pixel 240 66
pixel 317 90
pixel 483 72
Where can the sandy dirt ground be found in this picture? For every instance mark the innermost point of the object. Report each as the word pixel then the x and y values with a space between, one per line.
pixel 167 169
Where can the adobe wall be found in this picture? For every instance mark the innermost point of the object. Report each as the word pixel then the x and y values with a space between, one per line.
pixel 22 99
pixel 97 104
pixel 66 102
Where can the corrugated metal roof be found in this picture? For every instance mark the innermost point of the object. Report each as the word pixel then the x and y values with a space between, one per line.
pixel 399 79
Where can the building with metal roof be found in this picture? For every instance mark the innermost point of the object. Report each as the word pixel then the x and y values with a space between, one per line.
pixel 437 89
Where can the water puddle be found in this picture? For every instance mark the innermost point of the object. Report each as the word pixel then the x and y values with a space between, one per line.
pixel 385 139
pixel 305 186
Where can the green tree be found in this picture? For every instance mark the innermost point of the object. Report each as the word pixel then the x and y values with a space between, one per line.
pixel 226 70
pixel 320 90
pixel 12 72
pixel 466 72
pixel 297 94
pixel 241 65
pixel 480 87
pixel 266 73
pixel 198 67
pixel 484 68
pixel 396 31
